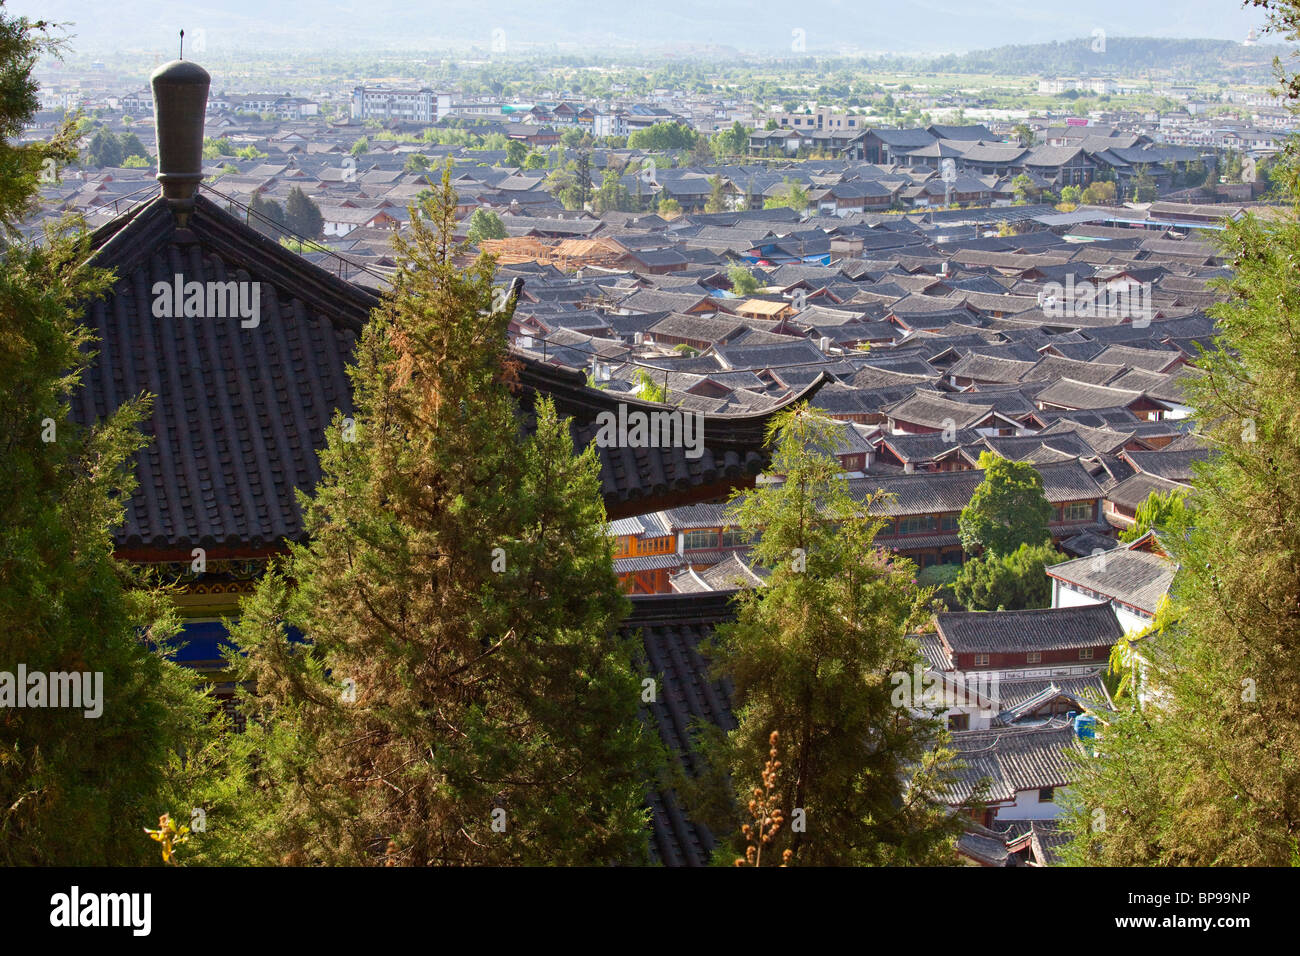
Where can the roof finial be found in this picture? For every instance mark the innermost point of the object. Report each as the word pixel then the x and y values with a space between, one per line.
pixel 181 54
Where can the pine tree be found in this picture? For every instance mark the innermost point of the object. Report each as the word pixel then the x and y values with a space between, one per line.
pixel 302 215
pixel 1200 767
pixel 77 784
pixel 267 216
pixel 459 692
pixel 811 655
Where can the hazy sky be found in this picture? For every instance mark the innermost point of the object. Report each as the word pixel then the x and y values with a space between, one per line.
pixel 829 26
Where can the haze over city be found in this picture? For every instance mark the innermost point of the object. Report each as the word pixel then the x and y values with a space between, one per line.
pixel 669 27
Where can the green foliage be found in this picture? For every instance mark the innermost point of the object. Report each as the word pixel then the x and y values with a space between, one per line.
pixel 1201 769
pixel 941 578
pixel 1008 582
pixel 613 195
pixel 1007 509
pixel 566 186
pixel 215 148
pixel 670 208
pixel 717 201
pixel 731 142
pixel 793 196
pixel 106 149
pixel 75 790
pixel 576 138
pixel 1161 512
pixel 1144 185
pixel 298 246
pixel 662 136
pixel 811 655
pixel 485 224
pixel 1071 194
pixel 302 215
pixel 438 679
pixel 250 152
pixel 360 147
pixel 742 280
pixel 1099 193
pixel 649 389
pixel 267 216
pixel 516 153
pixel 1024 187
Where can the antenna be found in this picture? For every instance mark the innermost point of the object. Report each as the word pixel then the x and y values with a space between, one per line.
pixel 181 55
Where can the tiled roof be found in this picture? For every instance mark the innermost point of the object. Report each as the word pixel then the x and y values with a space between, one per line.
pixel 1038 629
pixel 1136 578
pixel 937 492
pixel 671 628
pixel 240 413
pixel 1011 759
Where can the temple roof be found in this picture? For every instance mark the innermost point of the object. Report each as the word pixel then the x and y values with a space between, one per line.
pixel 240 412
pixel 671 628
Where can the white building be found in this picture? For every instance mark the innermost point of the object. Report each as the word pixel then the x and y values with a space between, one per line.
pixel 407 106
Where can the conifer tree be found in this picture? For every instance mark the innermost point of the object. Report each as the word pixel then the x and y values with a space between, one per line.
pixel 77 783
pixel 438 674
pixel 302 215
pixel 1199 765
pixel 811 655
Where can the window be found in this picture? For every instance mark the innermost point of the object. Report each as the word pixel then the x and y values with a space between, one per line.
pixel 1046 794
pixel 981 660
pixel 959 721
pixel 1033 657
pixel 1078 511
pixel 700 540
pixel 948 523
pixel 734 538
pixel 916 524
pixel 1085 654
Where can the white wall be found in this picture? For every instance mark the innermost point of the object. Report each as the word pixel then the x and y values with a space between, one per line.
pixel 1027 807
pixel 1065 596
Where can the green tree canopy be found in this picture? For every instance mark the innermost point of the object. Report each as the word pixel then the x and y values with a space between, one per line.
pixel 811 656
pixel 77 784
pixel 742 281
pixel 1011 582
pixel 1161 512
pixel 662 136
pixel 485 224
pixel 302 215
pixel 460 693
pixel 1007 509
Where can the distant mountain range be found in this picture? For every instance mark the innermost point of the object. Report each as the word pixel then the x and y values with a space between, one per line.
pixel 1122 56
pixel 663 26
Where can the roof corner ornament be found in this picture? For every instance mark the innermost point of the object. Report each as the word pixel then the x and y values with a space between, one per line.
pixel 180 54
